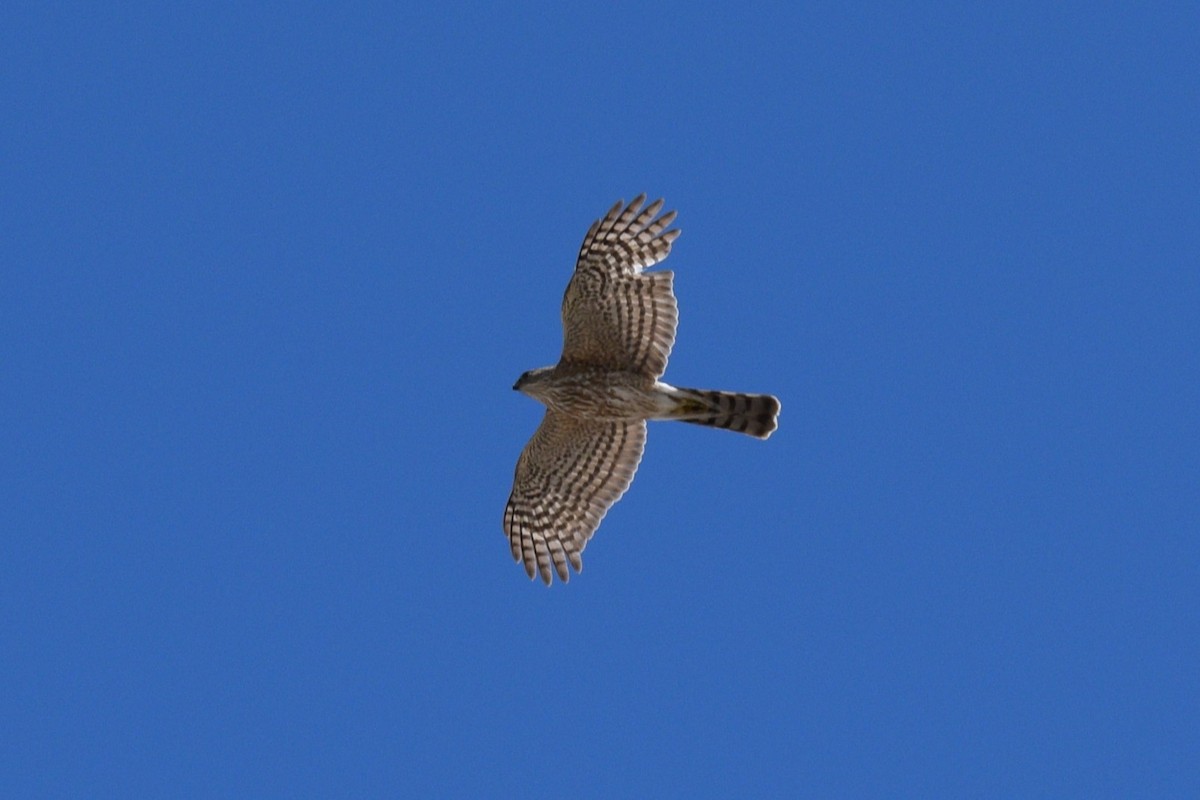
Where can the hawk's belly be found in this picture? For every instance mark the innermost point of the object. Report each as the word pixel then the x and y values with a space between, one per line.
pixel 608 396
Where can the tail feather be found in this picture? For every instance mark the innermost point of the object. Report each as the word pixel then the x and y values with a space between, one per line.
pixel 752 414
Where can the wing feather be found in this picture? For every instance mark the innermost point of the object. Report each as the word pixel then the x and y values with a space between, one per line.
pixel 568 476
pixel 615 315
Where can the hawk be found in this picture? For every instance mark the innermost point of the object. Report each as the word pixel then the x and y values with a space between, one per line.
pixel 618 329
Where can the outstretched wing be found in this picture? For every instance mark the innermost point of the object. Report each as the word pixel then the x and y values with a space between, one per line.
pixel 614 315
pixel 567 477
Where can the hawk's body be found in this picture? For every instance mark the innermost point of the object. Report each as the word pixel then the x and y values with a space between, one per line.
pixel 618 330
pixel 599 393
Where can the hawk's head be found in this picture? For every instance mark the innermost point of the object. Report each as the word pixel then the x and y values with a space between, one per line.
pixel 530 378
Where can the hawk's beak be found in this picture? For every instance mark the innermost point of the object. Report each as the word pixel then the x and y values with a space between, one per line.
pixel 516 387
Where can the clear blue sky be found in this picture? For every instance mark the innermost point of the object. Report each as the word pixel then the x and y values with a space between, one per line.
pixel 270 271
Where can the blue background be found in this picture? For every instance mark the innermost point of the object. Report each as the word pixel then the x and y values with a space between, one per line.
pixel 269 273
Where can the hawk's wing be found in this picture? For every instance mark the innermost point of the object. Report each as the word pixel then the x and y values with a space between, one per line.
pixel 567 477
pixel 614 315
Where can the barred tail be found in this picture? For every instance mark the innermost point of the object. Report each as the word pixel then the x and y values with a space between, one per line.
pixel 753 414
